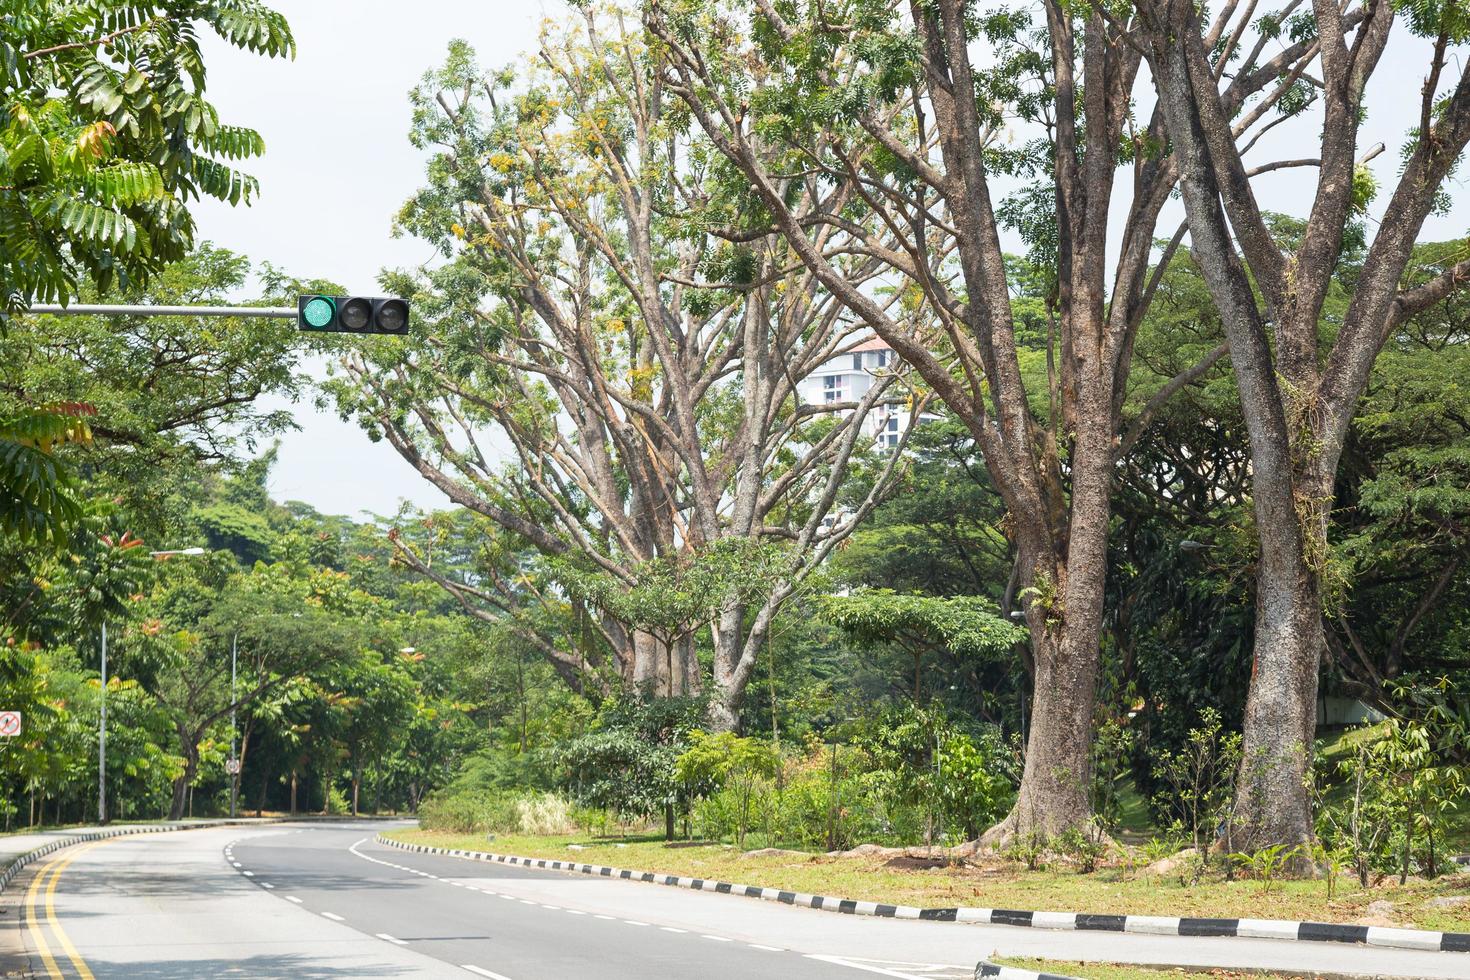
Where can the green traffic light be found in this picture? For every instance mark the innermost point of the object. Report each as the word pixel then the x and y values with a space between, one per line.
pixel 319 312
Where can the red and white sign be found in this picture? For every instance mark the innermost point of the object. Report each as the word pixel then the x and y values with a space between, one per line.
pixel 9 724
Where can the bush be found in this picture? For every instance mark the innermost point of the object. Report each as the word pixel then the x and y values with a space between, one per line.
pixel 505 812
pixel 932 782
pixel 1399 796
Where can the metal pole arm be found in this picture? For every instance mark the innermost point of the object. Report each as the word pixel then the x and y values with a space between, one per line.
pixel 110 309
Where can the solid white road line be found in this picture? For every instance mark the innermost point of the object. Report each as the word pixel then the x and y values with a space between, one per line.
pixel 387 938
pixel 866 967
pixel 481 971
pixel 333 916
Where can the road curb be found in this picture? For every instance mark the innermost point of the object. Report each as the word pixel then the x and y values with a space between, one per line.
pixel 988 969
pixel 27 857
pixel 1153 925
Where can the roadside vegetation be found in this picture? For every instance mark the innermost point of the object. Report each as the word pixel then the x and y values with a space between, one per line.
pixel 1118 971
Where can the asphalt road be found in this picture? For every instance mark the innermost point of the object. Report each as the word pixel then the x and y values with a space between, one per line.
pixel 323 901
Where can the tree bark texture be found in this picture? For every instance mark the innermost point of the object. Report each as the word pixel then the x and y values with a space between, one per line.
pixel 1298 392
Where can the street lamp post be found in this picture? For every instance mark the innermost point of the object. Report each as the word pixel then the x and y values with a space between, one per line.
pixel 234 760
pixel 102 739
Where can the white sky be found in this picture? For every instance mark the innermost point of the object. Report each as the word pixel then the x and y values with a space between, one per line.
pixel 338 165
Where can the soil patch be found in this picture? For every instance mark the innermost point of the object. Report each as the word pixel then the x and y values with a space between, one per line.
pixel 906 863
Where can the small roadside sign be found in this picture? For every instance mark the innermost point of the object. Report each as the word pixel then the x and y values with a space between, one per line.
pixel 232 766
pixel 9 724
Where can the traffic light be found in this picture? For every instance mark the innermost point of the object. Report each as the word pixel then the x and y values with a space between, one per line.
pixel 352 314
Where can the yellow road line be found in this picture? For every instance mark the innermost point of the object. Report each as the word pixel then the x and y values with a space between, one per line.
pixel 79 964
pixel 53 869
pixel 34 925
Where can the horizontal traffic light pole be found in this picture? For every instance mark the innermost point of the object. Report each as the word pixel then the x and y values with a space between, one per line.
pixel 313 313
pixel 105 309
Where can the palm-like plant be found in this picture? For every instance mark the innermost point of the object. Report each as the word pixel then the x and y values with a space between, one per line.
pixel 105 136
pixel 36 499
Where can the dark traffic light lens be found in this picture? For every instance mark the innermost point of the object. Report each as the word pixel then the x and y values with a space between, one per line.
pixel 393 316
pixel 356 314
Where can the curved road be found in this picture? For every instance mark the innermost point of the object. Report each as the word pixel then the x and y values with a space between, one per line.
pixel 324 901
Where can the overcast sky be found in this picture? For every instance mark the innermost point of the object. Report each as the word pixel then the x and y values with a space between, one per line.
pixel 338 165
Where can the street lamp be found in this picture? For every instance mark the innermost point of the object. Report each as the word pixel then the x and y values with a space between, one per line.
pixel 234 764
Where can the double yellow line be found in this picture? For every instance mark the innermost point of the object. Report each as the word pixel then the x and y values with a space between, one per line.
pixel 45 884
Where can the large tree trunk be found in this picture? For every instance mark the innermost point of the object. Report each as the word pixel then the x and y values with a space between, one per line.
pixel 726 691
pixel 182 784
pixel 1271 803
pixel 1064 613
pixel 663 671
pixel 1271 797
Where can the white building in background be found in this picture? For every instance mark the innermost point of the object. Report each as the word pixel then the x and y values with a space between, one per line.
pixel 847 378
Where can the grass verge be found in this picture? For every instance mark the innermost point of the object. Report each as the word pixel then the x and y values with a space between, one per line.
pixel 998 883
pixel 1121 971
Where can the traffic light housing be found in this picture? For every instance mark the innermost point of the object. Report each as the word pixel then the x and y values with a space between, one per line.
pixel 352 314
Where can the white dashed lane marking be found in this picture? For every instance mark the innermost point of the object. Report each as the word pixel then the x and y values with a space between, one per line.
pixel 481 971
pixel 333 916
pixel 390 939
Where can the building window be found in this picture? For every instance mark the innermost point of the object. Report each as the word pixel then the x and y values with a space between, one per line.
pixel 891 430
pixel 830 387
pixel 882 358
pixel 857 362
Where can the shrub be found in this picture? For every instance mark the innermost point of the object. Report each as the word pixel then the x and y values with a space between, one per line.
pixel 1399 795
pixel 469 812
pixel 736 766
pixel 954 784
pixel 1198 780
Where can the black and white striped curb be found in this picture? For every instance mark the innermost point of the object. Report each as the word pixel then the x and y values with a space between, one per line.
pixel 20 861
pixel 1151 925
pixel 984 969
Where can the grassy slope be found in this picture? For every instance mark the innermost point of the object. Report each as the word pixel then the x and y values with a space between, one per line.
pixel 998 885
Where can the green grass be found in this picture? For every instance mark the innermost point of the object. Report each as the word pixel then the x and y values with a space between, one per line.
pixel 991 883
pixel 1119 971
